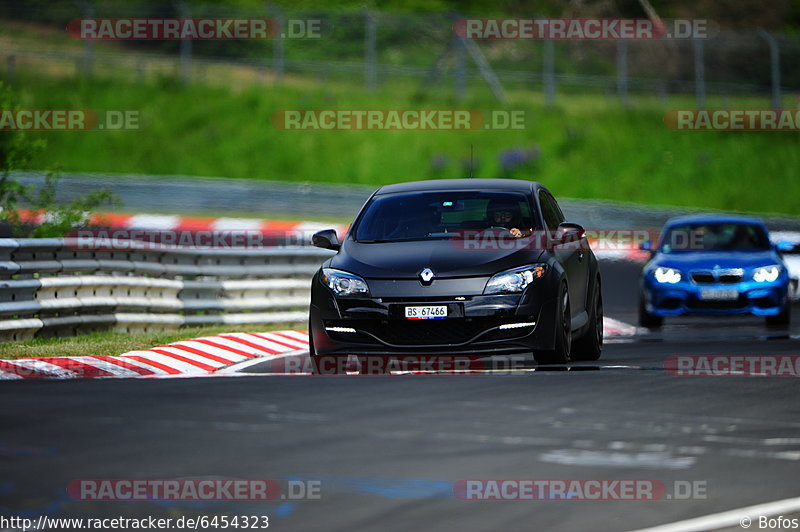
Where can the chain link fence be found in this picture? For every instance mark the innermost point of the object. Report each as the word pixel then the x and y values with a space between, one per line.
pixel 379 48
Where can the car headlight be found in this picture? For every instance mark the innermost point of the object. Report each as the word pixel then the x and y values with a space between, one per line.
pixel 514 280
pixel 667 275
pixel 344 284
pixel 766 274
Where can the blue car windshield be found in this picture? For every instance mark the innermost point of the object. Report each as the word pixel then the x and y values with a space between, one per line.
pixel 441 215
pixel 715 237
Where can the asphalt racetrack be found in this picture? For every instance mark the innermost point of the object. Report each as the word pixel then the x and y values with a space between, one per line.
pixel 387 451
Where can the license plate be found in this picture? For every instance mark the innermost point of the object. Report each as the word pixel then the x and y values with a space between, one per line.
pixel 427 312
pixel 719 294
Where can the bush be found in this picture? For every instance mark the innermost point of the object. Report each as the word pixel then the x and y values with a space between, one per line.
pixel 18 151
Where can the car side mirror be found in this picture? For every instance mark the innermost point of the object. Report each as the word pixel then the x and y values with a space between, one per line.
pixel 784 246
pixel 569 232
pixel 647 245
pixel 326 239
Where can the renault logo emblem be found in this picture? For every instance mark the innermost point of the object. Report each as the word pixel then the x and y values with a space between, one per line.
pixel 426 275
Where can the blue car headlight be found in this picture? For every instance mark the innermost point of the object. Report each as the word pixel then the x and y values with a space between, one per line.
pixel 344 284
pixel 767 274
pixel 667 275
pixel 515 280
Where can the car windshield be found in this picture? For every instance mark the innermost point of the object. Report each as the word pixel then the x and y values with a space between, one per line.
pixel 441 215
pixel 715 237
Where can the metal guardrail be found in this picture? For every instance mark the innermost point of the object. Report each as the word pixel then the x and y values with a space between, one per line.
pixel 64 287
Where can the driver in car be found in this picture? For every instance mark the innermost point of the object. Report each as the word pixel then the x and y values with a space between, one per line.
pixel 506 215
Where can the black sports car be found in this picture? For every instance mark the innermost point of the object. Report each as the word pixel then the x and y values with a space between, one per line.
pixel 474 267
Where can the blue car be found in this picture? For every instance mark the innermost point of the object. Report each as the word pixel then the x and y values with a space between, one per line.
pixel 715 265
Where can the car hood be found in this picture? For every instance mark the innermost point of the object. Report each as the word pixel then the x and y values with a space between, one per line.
pixel 404 260
pixel 707 260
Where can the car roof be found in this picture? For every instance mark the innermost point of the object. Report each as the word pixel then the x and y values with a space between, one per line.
pixel 713 218
pixel 511 185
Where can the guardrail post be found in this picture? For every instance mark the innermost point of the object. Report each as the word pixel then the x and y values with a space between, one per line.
pixel 459 68
pixel 775 66
pixel 699 73
pixel 370 52
pixel 88 12
pixel 277 42
pixel 622 71
pixel 186 47
pixel 11 67
pixel 548 72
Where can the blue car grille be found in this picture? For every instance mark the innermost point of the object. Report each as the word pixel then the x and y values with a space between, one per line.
pixel 726 276
pixel 702 304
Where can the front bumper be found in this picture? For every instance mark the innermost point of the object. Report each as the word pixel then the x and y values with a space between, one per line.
pixel 686 298
pixel 473 326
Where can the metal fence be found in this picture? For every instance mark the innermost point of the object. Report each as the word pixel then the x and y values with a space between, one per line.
pixel 63 287
pixel 381 47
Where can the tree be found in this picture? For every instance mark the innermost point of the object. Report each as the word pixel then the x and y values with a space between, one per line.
pixel 19 151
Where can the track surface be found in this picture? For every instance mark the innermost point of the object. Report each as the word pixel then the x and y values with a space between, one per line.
pixel 387 450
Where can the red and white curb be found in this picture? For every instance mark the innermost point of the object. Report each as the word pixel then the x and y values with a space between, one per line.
pixel 199 356
pixel 619 329
pixel 607 249
pixel 193 224
pixel 222 353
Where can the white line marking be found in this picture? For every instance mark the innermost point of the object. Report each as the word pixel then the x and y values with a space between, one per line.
pixel 617 459
pixel 730 518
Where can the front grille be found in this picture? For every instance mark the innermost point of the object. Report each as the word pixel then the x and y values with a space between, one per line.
pixel 432 332
pixel 710 304
pixel 432 299
pixel 703 278
pixel 727 276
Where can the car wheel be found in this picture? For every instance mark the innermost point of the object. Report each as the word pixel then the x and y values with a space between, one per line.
pixel 783 319
pixel 646 319
pixel 590 345
pixel 563 340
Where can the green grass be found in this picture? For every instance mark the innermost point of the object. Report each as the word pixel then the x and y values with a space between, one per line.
pixel 588 145
pixel 113 343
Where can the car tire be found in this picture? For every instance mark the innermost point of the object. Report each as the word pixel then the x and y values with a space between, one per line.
pixel 320 366
pixel 647 319
pixel 783 319
pixel 563 341
pixel 590 345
